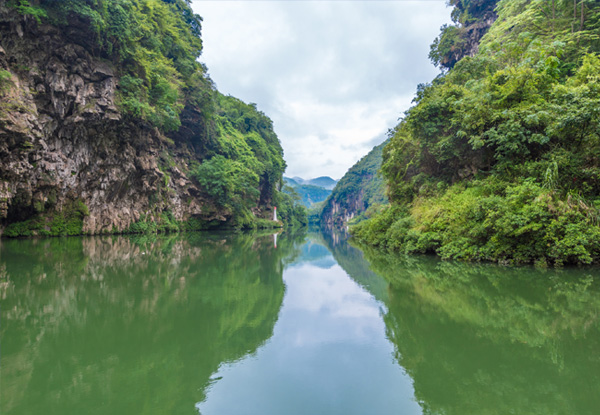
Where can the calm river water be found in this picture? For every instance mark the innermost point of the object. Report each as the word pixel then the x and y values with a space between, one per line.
pixel 235 324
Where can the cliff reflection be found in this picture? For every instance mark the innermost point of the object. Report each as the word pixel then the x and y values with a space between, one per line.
pixel 98 325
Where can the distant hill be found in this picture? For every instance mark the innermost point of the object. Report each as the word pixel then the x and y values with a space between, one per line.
pixel 310 191
pixel 323 181
pixel 291 182
pixel 361 188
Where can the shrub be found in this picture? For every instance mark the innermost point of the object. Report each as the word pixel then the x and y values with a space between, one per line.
pixel 517 223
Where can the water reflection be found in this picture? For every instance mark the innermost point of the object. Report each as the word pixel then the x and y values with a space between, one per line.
pixel 328 354
pixel 491 340
pixel 180 324
pixel 126 325
pixel 352 260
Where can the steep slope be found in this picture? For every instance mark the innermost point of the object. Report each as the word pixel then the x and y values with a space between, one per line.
pixel 109 124
pixel 361 188
pixel 500 158
pixel 308 194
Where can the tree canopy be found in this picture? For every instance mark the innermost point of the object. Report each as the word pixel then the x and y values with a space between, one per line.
pixel 499 158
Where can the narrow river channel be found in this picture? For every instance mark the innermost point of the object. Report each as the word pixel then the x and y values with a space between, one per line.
pixel 227 324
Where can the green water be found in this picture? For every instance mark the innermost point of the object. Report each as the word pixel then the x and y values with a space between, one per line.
pixel 307 324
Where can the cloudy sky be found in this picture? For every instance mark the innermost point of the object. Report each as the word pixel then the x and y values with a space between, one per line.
pixel 333 76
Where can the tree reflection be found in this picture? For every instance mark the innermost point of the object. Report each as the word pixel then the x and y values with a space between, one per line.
pixel 132 325
pixel 491 340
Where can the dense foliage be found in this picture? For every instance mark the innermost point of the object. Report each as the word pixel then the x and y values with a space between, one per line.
pixel 290 210
pixel 154 46
pixel 361 192
pixel 308 194
pixel 472 19
pixel 245 164
pixel 491 340
pixel 500 158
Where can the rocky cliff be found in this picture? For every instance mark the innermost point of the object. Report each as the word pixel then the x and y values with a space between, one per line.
pixel 472 20
pixel 361 188
pixel 71 161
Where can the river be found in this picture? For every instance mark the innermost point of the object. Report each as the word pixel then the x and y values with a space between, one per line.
pixel 233 323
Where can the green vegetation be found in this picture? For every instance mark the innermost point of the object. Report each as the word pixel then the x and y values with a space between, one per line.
pixel 64 222
pixel 480 338
pixel 229 182
pixel 5 80
pixel 472 19
pixel 166 223
pixel 172 307
pixel 308 194
pixel 24 7
pixel 289 210
pixel 245 166
pixel 153 46
pixel 314 213
pixel 491 220
pixel 311 194
pixel 500 158
pixel 246 134
pixel 360 193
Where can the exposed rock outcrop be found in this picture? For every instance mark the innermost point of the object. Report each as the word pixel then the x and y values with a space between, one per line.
pixel 63 139
pixel 361 187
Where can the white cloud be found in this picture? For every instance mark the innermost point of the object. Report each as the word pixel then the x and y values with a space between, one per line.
pixel 333 76
pixel 331 304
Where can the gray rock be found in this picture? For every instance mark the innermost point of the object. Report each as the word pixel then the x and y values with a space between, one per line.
pixel 62 138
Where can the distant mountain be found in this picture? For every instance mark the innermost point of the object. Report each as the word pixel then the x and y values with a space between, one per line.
pixel 310 191
pixel 323 181
pixel 292 182
pixel 361 187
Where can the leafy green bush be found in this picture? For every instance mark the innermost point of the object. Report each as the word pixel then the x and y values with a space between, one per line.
pixel 230 183
pixel 164 222
pixel 65 222
pixel 29 227
pixel 289 210
pixel 24 7
pixel 5 80
pixel 504 222
pixel 500 157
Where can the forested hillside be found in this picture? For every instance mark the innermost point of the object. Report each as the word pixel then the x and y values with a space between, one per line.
pixel 308 194
pixel 499 158
pixel 359 194
pixel 108 123
pixel 325 182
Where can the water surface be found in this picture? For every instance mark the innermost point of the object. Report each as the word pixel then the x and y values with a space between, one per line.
pixel 233 324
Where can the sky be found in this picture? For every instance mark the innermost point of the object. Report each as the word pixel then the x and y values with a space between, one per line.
pixel 334 76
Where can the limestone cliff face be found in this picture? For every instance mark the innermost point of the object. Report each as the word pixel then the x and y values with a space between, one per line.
pixel 337 213
pixel 63 139
pixel 360 188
